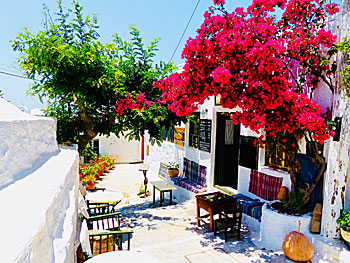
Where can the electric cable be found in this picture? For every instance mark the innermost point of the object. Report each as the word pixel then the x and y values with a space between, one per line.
pixel 189 21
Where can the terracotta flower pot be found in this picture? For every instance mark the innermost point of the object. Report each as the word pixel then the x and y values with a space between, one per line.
pixel 90 185
pixel 173 173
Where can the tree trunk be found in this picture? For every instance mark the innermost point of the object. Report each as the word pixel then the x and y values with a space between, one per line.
pixel 90 132
pixel 83 141
pixel 314 149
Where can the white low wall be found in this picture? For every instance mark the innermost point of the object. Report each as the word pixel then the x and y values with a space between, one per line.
pixel 275 226
pixel 39 218
pixel 26 142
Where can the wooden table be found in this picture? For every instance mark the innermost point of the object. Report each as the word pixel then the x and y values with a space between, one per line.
pixel 213 203
pixel 104 197
pixel 162 187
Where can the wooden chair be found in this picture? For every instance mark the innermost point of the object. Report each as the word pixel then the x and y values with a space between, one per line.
pixel 107 241
pixel 110 221
pixel 105 234
pixel 230 220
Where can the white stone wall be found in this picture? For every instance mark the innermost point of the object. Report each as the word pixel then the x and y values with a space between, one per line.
pixel 122 149
pixel 26 142
pixel 38 190
pixel 39 216
pixel 338 164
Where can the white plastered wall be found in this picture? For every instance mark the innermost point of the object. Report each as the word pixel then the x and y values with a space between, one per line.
pixel 38 190
pixel 123 150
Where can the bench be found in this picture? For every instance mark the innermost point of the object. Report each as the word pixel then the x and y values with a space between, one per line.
pixel 193 177
pixel 262 185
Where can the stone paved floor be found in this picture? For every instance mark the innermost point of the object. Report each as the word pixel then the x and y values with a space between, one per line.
pixel 170 233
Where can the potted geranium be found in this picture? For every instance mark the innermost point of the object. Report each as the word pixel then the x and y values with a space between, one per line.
pixel 344 222
pixel 173 170
pixel 90 181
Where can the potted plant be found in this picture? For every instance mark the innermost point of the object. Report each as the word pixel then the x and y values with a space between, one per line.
pixel 90 181
pixel 344 222
pixel 173 170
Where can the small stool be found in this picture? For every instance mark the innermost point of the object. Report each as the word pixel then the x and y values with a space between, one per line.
pixel 231 222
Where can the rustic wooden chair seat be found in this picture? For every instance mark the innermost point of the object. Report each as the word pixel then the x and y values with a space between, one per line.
pixel 230 221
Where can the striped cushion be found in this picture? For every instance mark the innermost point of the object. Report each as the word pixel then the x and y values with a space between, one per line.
pixel 264 186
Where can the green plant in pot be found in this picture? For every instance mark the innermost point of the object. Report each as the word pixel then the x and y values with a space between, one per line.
pixel 173 170
pixel 344 223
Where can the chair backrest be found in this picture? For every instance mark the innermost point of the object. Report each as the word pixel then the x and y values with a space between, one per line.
pixel 235 216
pixel 104 222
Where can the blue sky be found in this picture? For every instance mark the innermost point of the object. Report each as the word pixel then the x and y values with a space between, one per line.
pixel 165 19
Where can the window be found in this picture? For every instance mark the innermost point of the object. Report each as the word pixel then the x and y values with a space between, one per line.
pixel 167 135
pixel 229 132
pixel 194 131
pixel 275 157
pixel 95 145
pixel 248 152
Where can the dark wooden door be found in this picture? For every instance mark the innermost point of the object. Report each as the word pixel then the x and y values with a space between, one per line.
pixel 226 152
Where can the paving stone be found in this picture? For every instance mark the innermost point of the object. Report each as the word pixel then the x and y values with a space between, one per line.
pixel 170 233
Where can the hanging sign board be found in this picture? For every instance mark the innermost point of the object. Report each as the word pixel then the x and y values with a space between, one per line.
pixel 204 135
pixel 179 136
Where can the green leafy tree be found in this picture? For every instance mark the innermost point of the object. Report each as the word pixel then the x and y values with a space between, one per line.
pixel 83 79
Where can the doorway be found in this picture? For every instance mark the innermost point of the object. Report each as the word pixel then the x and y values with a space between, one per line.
pixel 226 152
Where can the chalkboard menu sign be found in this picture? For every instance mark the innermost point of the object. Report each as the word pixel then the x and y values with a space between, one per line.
pixel 163 170
pixel 204 135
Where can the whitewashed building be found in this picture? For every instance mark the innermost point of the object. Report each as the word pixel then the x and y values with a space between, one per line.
pixel 38 190
pixel 121 149
pixel 227 151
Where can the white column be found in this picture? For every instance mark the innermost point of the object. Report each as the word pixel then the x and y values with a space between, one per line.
pixel 337 173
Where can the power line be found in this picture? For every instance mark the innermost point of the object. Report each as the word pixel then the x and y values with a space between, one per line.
pixel 189 21
pixel 14 75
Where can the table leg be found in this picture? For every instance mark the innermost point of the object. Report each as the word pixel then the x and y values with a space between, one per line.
pixel 198 215
pixel 211 220
pixel 154 194
pixel 161 197
pixel 171 197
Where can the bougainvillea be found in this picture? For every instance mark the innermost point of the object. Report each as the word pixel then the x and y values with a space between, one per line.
pixel 249 58
pixel 263 66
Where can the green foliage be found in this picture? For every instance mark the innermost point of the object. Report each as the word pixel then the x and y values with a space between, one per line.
pixel 344 46
pixel 295 203
pixel 173 166
pixel 89 154
pixel 344 220
pixel 83 79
